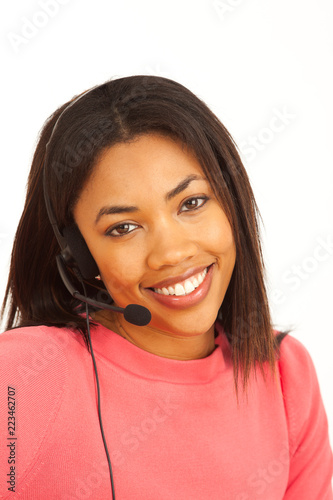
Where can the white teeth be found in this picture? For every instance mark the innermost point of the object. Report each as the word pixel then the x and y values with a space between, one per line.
pixel 195 283
pixel 179 289
pixel 188 287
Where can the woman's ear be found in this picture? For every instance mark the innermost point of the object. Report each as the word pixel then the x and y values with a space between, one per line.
pixel 78 250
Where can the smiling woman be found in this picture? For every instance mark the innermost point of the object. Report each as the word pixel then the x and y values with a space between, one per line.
pixel 137 200
pixel 177 233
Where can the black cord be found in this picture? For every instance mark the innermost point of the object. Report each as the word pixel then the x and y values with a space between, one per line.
pixel 98 395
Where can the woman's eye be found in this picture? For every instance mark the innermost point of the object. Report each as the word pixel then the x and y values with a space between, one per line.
pixel 121 230
pixel 194 203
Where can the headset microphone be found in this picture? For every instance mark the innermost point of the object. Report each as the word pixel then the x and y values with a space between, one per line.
pixel 76 255
pixel 133 313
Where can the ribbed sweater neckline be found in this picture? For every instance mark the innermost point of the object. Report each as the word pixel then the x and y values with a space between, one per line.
pixel 127 356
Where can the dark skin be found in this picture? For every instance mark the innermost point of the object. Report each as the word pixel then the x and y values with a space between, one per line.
pixel 173 230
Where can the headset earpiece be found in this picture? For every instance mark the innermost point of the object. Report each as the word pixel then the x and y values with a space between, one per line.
pixel 77 253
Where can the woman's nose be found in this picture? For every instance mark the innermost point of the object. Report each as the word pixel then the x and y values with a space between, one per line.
pixel 170 246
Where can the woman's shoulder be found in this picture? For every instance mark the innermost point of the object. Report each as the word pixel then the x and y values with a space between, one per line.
pixel 41 337
pixel 34 373
pixel 32 353
pixel 294 358
pixel 298 375
pixel 301 392
pixel 39 355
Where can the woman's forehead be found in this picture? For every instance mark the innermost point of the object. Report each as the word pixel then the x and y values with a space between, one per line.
pixel 151 161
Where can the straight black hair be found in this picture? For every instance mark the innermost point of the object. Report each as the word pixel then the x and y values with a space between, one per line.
pixel 119 111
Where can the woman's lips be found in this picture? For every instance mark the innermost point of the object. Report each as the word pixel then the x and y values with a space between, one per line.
pixel 183 301
pixel 177 279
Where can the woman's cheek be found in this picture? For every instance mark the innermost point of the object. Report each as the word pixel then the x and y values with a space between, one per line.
pixel 218 238
pixel 115 284
pixel 120 277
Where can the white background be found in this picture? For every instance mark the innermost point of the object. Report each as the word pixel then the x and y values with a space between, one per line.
pixel 250 61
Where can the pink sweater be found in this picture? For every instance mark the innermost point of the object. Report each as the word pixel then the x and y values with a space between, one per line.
pixel 173 428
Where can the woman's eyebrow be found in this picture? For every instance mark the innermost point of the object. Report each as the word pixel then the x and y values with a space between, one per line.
pixel 183 185
pixel 120 209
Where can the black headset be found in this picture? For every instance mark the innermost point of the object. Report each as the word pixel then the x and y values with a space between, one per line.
pixel 76 255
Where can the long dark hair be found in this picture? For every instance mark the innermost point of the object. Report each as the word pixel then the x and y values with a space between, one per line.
pixel 118 111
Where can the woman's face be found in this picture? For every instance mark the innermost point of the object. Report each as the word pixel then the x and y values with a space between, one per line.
pixel 158 234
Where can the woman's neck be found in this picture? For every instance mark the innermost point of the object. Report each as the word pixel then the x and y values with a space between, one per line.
pixel 157 342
